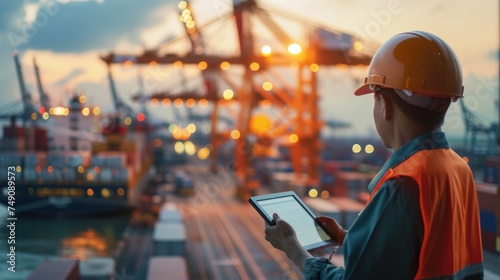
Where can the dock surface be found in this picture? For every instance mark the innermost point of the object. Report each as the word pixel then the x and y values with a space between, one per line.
pixel 224 238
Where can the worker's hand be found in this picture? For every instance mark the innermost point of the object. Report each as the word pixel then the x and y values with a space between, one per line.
pixel 334 229
pixel 281 235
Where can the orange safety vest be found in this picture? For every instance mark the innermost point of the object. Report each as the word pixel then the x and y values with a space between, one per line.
pixel 450 212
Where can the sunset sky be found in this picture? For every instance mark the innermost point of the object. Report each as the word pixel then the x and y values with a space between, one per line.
pixel 68 36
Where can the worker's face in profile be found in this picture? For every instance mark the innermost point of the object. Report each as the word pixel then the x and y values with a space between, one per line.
pixel 378 116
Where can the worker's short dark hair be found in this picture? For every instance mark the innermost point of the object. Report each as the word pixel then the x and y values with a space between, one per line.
pixel 418 114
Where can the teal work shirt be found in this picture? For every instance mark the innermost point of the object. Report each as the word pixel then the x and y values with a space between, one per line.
pixel 385 240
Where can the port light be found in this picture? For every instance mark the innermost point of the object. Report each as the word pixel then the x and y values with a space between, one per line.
pixel 356 148
pixel 190 148
pixel 120 192
pixel 173 128
pixel 202 65
pixel 182 5
pixel 358 46
pixel 203 153
pixel 178 64
pixel 190 24
pixel 141 117
pixel 369 149
pixel 59 111
pixel 254 66
pixel 105 192
pixel 165 102
pixel 235 134
pixel 85 111
pixel 325 194
pixel 190 103
pixel 293 138
pixel 314 67
pixel 228 94
pixel 179 147
pixel 267 86
pixel 260 124
pixel 294 49
pixel 191 128
pixel 313 193
pixel 203 103
pixel 127 121
pixel 225 65
pixel 264 104
pixel 178 102
pixel 266 50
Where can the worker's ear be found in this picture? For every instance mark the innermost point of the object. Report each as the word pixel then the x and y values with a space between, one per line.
pixel 387 107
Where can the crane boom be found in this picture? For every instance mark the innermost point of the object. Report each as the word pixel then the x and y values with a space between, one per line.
pixel 118 103
pixel 44 99
pixel 25 96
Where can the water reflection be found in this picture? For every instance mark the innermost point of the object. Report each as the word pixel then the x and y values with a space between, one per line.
pixel 85 244
pixel 38 239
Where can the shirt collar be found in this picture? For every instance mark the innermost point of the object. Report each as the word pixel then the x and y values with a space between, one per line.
pixel 428 141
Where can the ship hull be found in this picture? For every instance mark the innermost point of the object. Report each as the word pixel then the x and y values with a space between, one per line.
pixel 68 207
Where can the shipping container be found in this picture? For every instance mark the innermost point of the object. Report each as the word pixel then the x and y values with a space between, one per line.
pixel 174 267
pixel 169 239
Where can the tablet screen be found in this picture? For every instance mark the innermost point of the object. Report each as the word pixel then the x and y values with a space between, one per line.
pixel 309 233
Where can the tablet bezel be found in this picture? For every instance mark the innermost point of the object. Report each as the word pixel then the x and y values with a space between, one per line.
pixel 269 220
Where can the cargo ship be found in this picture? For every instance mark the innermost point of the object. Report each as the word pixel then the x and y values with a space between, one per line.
pixel 74 162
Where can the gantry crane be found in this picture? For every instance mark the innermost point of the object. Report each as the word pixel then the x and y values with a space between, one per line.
pixel 120 106
pixel 480 139
pixel 300 117
pixel 28 108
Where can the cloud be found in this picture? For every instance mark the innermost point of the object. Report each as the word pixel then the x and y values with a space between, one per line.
pixel 80 26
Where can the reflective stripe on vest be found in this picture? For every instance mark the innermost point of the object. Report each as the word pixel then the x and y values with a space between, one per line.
pixel 451 248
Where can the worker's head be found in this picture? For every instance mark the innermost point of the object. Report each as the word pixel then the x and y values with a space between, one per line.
pixel 415 76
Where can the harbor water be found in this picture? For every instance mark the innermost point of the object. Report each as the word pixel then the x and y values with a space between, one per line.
pixel 38 239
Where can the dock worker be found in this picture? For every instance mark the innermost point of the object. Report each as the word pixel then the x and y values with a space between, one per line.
pixel 422 219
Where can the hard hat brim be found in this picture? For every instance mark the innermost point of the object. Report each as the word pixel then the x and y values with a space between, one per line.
pixel 364 89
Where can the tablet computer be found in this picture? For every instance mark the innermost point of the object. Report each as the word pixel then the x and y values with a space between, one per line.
pixel 294 211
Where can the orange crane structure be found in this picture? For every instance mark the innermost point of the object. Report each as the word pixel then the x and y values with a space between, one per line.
pixel 299 118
